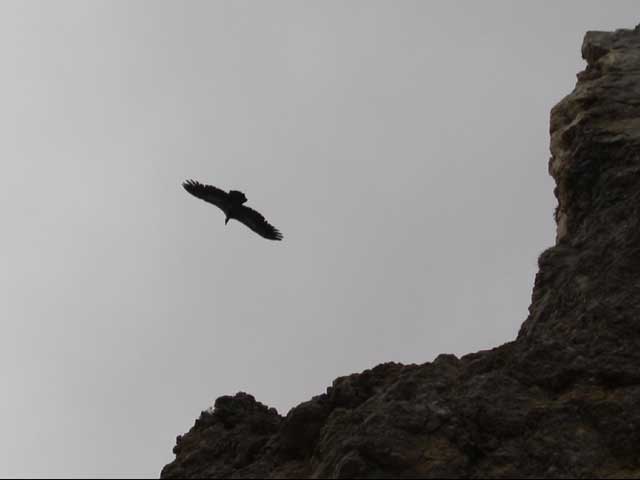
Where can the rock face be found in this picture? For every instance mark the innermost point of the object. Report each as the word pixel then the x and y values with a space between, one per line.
pixel 562 400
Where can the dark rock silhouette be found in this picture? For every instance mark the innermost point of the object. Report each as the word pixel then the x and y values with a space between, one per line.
pixel 561 401
pixel 232 205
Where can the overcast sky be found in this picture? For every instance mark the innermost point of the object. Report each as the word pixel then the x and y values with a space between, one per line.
pixel 401 147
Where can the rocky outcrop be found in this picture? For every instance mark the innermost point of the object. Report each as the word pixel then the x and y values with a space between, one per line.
pixel 562 400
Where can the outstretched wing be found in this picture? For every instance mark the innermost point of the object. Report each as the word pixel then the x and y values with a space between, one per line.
pixel 256 222
pixel 208 193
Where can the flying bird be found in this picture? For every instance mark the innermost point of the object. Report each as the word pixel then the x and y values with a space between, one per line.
pixel 232 205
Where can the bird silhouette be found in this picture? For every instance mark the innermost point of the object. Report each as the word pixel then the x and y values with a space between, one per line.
pixel 232 205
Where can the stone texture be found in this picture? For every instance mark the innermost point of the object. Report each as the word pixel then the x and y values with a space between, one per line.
pixel 561 401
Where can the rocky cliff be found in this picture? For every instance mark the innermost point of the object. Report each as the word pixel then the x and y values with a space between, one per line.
pixel 562 400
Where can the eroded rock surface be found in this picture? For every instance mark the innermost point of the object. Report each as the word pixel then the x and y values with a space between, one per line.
pixel 562 400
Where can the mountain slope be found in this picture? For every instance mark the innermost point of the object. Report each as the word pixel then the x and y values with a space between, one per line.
pixel 561 400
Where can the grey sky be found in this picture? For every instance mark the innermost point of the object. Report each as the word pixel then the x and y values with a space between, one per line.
pixel 400 147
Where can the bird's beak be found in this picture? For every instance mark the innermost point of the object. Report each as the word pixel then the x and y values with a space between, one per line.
pixel 226 220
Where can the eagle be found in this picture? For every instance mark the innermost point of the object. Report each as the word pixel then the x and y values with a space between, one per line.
pixel 232 205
